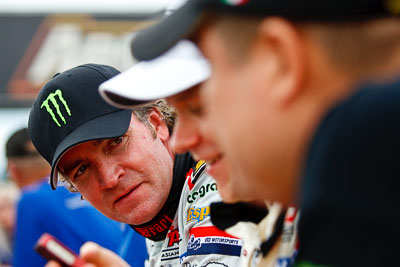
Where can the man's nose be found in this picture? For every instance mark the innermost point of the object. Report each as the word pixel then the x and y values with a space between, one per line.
pixel 184 138
pixel 110 172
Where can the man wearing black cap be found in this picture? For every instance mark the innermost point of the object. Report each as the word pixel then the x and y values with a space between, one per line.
pixel 279 68
pixel 122 163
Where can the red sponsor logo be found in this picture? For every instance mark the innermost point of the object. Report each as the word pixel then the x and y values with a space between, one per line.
pixel 209 231
pixel 189 179
pixel 291 215
pixel 156 228
pixel 173 237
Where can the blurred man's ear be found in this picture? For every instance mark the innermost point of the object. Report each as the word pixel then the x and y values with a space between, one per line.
pixel 157 121
pixel 13 172
pixel 281 42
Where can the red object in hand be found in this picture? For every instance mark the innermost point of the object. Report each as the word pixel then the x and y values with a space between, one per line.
pixel 52 249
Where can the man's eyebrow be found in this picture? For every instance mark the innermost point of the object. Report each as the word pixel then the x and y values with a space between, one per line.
pixel 185 95
pixel 69 167
pixel 97 142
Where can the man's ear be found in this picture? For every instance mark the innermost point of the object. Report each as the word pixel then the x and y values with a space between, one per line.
pixel 284 44
pixel 157 121
pixel 13 172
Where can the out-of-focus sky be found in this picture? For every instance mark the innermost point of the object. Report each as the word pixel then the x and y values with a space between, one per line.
pixel 13 119
pixel 82 6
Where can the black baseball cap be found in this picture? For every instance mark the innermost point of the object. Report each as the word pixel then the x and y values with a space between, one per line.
pixel 19 145
pixel 156 40
pixel 69 111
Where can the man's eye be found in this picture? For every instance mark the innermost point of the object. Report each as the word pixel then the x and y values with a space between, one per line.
pixel 196 110
pixel 81 170
pixel 117 141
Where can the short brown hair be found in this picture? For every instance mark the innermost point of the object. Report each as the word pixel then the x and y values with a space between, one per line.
pixel 358 47
pixel 355 47
pixel 167 112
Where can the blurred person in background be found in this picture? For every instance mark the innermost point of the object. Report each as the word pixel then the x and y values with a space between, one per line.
pixel 61 214
pixel 8 198
pixel 306 90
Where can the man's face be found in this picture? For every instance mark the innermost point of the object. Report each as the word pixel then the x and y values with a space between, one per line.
pixel 127 178
pixel 242 110
pixel 192 133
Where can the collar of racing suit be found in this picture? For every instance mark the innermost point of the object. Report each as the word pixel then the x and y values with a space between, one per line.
pixel 158 227
pixel 225 215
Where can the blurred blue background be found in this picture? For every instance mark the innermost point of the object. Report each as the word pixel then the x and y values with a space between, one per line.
pixel 43 37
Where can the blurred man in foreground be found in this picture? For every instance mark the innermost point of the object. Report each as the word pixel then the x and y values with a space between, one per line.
pixel 300 90
pixel 137 85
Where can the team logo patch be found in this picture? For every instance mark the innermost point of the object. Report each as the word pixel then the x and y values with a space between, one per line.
pixel 211 240
pixel 208 264
pixel 198 214
pixel 194 173
pixel 173 236
pixel 202 192
pixel 57 112
pixel 156 228
pixel 169 254
pixel 199 165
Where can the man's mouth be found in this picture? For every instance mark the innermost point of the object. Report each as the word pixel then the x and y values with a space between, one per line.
pixel 212 164
pixel 213 160
pixel 126 194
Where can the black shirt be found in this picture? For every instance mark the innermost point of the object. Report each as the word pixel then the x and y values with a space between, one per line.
pixel 350 206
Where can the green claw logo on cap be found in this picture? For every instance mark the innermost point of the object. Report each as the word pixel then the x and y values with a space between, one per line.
pixel 53 100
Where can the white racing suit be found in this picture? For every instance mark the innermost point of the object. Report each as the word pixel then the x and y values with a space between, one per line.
pixel 193 241
pixel 283 251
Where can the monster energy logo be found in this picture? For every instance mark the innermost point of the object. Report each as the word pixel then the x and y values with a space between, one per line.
pixel 53 100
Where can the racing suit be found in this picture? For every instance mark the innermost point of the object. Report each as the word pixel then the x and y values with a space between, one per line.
pixel 269 241
pixel 188 238
pixel 182 234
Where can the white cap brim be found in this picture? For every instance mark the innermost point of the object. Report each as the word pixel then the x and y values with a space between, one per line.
pixel 179 69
